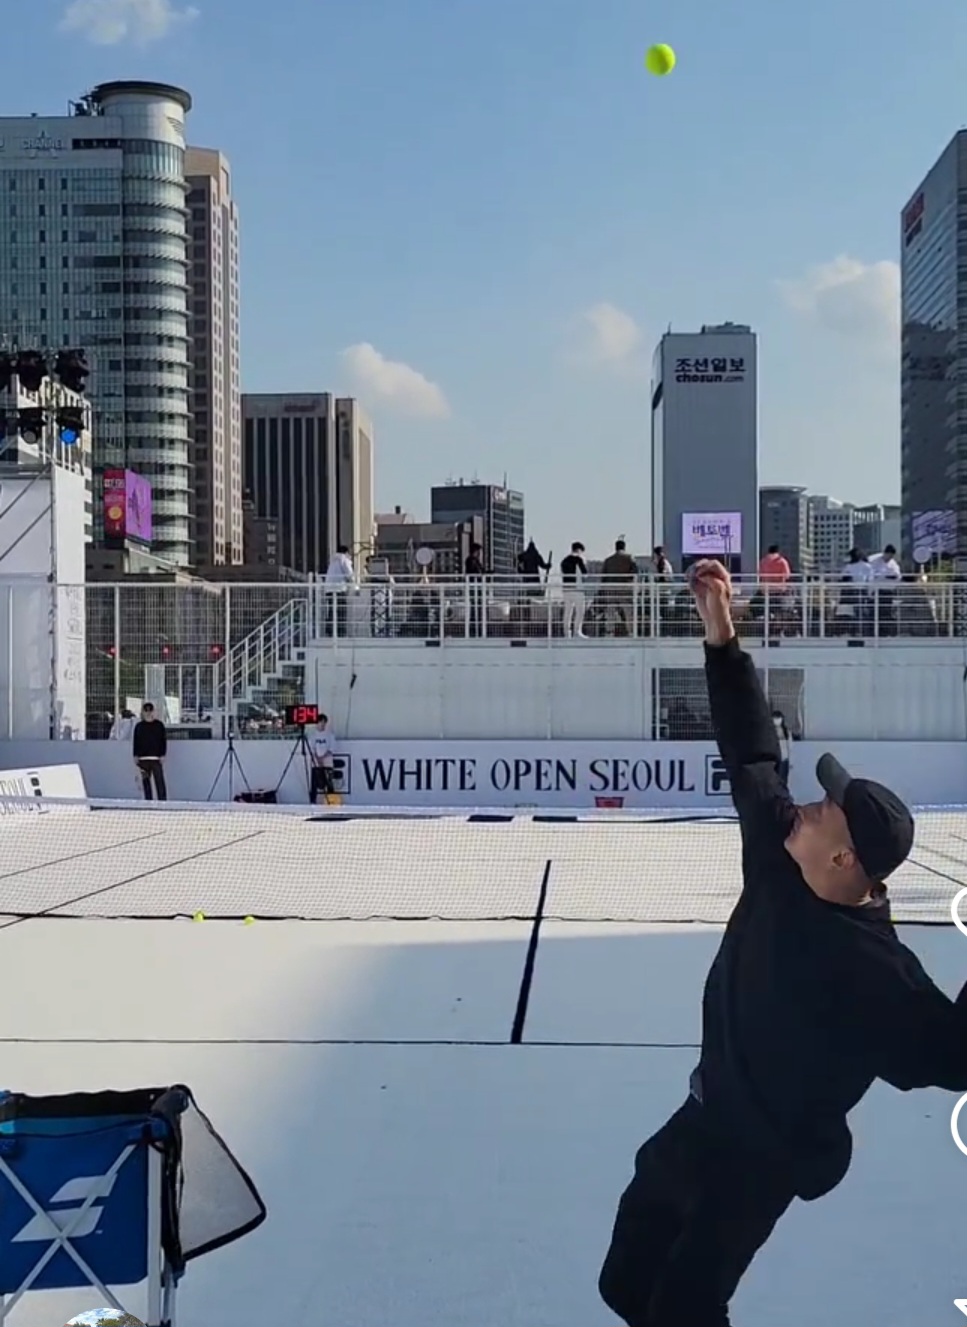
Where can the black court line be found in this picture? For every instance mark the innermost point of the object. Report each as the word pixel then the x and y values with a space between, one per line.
pixel 17 918
pixel 527 976
pixel 345 1041
pixel 87 852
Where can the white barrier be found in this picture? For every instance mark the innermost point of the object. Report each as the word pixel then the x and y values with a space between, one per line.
pixel 523 775
pixel 39 781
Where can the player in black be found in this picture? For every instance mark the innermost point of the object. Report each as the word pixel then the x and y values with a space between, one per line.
pixel 810 999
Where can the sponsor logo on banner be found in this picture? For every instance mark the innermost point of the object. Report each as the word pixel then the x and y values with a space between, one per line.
pixel 717 783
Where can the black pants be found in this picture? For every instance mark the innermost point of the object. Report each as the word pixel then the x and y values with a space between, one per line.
pixel 153 770
pixel 320 781
pixel 689 1224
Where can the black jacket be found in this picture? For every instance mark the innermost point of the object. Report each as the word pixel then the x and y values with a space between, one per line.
pixel 150 740
pixel 807 1002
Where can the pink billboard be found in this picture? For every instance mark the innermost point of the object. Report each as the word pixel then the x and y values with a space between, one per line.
pixel 127 506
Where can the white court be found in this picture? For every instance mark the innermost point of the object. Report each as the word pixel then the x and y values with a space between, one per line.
pixel 420 1171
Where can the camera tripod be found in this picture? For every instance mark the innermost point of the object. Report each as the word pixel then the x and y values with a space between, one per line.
pixel 231 761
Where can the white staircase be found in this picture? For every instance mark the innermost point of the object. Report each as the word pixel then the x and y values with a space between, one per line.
pixel 265 657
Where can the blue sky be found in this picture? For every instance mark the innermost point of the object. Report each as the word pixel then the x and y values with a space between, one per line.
pixel 478 215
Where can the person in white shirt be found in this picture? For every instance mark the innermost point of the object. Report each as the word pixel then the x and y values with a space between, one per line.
pixel 573 572
pixel 886 579
pixel 855 603
pixel 785 741
pixel 340 575
pixel 322 750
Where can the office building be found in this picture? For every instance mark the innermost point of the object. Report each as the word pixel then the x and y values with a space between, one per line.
pixel 875 526
pixel 501 510
pixel 308 465
pixel 354 480
pixel 933 381
pixel 833 532
pixel 93 253
pixel 214 378
pixel 784 520
pixel 704 446
pixel 399 538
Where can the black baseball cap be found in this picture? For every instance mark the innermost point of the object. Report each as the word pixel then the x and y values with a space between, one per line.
pixel 880 824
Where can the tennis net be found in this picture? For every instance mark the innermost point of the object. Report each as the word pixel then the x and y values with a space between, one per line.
pixel 129 859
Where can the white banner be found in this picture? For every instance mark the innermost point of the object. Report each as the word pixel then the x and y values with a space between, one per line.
pixel 711 533
pixel 45 781
pixel 532 774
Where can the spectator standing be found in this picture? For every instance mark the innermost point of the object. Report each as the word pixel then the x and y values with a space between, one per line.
pixel 886 575
pixel 661 564
pixel 340 576
pixel 573 573
pixel 785 743
pixel 473 569
pixel 856 599
pixel 618 573
pixel 149 746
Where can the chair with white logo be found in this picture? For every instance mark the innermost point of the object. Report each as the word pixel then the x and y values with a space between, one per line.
pixel 114 1190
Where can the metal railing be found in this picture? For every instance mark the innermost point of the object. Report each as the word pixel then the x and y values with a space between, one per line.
pixel 222 648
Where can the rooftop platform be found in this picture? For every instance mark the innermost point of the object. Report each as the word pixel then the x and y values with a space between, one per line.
pixel 421 1170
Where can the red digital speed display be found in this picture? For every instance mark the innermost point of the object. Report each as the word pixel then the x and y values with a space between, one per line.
pixel 297 716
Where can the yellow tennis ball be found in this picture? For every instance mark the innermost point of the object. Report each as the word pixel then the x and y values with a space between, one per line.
pixel 660 59
pixel 198 917
pixel 249 921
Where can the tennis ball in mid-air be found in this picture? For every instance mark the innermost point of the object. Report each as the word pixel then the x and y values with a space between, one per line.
pixel 660 59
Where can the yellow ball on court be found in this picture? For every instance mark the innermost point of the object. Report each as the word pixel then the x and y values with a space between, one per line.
pixel 198 917
pixel 660 59
pixel 249 921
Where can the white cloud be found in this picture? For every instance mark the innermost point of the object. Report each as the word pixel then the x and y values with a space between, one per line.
pixel 109 22
pixel 395 383
pixel 609 335
pixel 853 298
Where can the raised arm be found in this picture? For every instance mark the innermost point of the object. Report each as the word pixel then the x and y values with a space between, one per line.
pixel 741 718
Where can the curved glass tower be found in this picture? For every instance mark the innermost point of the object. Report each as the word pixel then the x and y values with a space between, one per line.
pixel 93 253
pixel 153 381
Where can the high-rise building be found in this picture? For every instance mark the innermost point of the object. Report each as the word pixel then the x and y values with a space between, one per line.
pixel 308 466
pixel 933 375
pixel 214 377
pixel 833 532
pixel 784 520
pixel 875 526
pixel 704 445
pixel 501 510
pixel 93 253
pixel 355 506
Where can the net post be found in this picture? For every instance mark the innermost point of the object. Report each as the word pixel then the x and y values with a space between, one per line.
pixel 116 638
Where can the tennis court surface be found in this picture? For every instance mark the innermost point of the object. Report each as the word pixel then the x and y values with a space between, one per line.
pixel 420 1168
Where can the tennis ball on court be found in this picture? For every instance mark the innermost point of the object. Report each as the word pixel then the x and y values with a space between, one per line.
pixel 249 921
pixel 198 917
pixel 660 59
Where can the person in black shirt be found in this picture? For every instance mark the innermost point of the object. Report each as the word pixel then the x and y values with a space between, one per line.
pixel 473 569
pixel 573 572
pixel 810 999
pixel 150 746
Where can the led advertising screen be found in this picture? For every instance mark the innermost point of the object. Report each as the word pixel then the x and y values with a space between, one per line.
pixel 127 506
pixel 707 534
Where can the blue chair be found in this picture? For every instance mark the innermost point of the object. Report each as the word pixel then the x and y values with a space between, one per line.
pixel 114 1190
